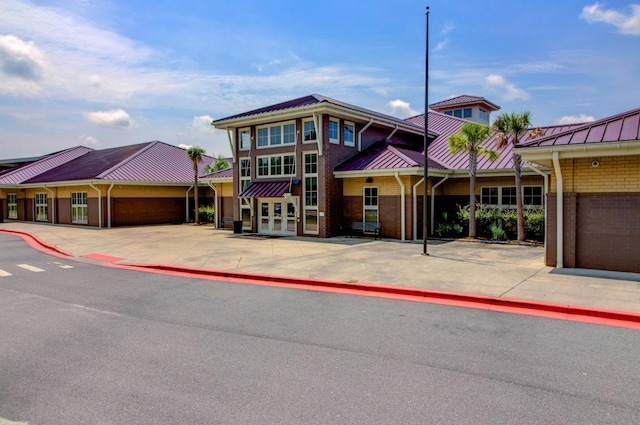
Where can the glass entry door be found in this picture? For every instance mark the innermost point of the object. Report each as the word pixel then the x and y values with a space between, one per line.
pixel 277 216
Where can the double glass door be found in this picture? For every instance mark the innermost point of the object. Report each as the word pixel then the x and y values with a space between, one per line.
pixel 277 216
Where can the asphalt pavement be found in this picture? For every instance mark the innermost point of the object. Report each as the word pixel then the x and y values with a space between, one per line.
pixel 501 271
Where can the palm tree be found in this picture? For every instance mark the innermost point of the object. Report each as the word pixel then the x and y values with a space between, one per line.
pixel 195 155
pixel 219 163
pixel 510 128
pixel 469 139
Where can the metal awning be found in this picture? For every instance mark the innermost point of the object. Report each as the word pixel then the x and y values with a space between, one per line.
pixel 273 189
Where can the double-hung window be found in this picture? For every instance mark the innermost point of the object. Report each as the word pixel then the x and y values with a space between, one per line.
pixel 41 207
pixel 349 134
pixel 245 139
pixel 334 135
pixel 276 134
pixel 245 173
pixel 370 205
pixel 311 193
pixel 79 208
pixel 276 165
pixel 12 205
pixel 505 196
pixel 308 131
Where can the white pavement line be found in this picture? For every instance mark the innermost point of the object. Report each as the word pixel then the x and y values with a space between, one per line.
pixel 62 266
pixel 4 273
pixel 30 268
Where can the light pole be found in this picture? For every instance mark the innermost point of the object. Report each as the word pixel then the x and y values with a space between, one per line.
pixel 425 213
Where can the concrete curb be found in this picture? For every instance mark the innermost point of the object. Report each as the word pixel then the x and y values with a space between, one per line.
pixel 507 305
pixel 38 244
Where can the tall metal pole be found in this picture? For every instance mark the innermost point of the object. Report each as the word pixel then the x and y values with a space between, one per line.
pixel 425 184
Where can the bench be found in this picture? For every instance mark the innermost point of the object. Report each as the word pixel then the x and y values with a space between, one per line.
pixel 226 223
pixel 363 228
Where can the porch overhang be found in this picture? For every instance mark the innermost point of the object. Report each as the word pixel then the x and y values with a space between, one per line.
pixel 272 189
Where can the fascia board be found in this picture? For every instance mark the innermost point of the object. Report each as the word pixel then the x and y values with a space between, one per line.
pixel 543 154
pixel 103 182
pixel 217 179
pixel 390 172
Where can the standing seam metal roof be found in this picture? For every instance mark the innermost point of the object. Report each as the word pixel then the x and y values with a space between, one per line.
pixel 29 171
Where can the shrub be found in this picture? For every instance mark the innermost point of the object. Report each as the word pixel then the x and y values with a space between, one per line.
pixel 506 220
pixel 446 228
pixel 207 214
pixel 498 233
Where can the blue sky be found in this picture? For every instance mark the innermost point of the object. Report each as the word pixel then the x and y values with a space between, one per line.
pixel 111 73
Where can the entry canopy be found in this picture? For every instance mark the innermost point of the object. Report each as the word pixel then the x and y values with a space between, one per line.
pixel 272 189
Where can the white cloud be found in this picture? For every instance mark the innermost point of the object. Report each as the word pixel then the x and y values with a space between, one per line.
pixel 401 109
pixel 626 24
pixel 89 141
pixel 183 146
pixel 575 119
pixel 116 118
pixel 20 59
pixel 447 28
pixel 506 90
pixel 202 123
pixel 441 45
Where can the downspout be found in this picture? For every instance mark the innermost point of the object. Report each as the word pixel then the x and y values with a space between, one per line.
pixel 392 133
pixel 109 206
pixel 318 135
pixel 53 204
pixel 215 201
pixel 232 144
pixel 99 205
pixel 360 134
pixel 559 212
pixel 415 209
pixel 403 219
pixel 545 176
pixel 186 200
pixel 433 200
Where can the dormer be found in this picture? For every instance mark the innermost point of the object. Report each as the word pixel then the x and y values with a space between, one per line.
pixel 472 108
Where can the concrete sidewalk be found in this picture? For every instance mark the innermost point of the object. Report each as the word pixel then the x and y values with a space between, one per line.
pixel 503 271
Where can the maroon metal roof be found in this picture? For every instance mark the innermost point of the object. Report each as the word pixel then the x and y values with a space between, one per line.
pixel 617 128
pixel 464 99
pixel 227 173
pixel 28 171
pixel 150 162
pixel 306 101
pixel 384 156
pixel 273 189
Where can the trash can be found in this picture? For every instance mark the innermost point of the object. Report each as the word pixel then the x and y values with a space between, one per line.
pixel 237 226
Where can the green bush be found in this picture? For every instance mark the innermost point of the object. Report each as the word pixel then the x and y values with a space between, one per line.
pixel 446 228
pixel 506 220
pixel 206 214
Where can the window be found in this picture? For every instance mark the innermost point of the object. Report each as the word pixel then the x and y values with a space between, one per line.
pixel 41 207
pixel 245 173
pixel 457 113
pixel 466 113
pixel 12 205
pixel 532 195
pixel 370 207
pixel 308 131
pixel 334 125
pixel 505 196
pixel 79 209
pixel 276 165
pixel 311 193
pixel 483 115
pixel 276 134
pixel 450 113
pixel 349 130
pixel 245 139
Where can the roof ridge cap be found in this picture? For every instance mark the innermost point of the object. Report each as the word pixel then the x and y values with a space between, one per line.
pixel 396 151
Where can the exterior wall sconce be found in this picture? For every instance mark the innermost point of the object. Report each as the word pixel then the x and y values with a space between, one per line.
pixel 595 163
pixel 369 180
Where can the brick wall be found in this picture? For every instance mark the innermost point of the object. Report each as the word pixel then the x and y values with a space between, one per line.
pixel 613 174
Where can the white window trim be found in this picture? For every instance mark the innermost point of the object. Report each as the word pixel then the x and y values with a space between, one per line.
pixel 311 120
pixel 306 207
pixel 366 207
pixel 240 131
pixel 242 178
pixel 84 219
pixel 276 124
pixel 335 141
pixel 12 207
pixel 501 205
pixel 269 175
pixel 39 205
pixel 352 143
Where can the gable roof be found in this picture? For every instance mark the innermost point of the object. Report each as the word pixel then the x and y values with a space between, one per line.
pixel 144 162
pixel 307 105
pixel 617 128
pixel 383 155
pixel 464 100
pixel 25 172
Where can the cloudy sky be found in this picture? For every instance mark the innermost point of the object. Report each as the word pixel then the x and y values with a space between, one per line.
pixel 111 73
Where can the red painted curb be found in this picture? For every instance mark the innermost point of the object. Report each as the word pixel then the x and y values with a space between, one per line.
pixel 38 244
pixel 534 308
